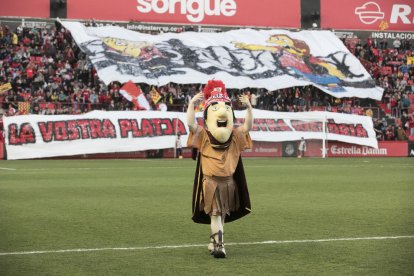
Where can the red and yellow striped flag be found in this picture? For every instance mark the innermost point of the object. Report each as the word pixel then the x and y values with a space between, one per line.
pixel 155 95
pixel 23 107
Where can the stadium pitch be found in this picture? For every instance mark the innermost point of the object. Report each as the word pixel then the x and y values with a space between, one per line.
pixel 334 216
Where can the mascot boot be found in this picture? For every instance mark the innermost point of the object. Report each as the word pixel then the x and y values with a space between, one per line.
pixel 216 245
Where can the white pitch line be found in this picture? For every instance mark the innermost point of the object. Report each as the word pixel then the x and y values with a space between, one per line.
pixel 200 245
pixel 7 169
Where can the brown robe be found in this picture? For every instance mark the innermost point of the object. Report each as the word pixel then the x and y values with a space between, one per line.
pixel 220 186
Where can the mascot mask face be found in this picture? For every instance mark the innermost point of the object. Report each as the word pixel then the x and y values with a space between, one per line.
pixel 217 104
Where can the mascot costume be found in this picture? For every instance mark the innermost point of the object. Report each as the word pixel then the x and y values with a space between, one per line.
pixel 220 191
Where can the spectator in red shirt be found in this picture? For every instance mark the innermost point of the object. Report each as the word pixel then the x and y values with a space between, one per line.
pixel 390 133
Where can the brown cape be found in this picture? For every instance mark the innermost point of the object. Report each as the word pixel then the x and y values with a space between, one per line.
pixel 199 216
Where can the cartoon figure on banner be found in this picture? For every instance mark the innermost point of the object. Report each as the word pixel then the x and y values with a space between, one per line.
pixel 220 191
pixel 136 49
pixel 131 57
pixel 295 58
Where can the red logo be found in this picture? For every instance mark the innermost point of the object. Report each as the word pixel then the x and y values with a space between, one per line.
pixel 369 13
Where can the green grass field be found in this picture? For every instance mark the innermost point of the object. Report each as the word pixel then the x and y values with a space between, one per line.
pixel 136 215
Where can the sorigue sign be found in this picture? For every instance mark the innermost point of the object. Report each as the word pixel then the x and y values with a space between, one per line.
pixel 195 11
pixel 270 13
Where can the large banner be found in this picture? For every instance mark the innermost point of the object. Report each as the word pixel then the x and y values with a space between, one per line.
pixel 384 15
pixel 270 59
pixel 37 136
pixel 269 13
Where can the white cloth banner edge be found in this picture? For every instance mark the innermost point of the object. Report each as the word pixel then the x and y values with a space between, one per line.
pixel 41 149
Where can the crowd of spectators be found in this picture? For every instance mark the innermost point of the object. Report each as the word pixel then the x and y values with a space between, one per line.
pixel 48 74
pixel 392 66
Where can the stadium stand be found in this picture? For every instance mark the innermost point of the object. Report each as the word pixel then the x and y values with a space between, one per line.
pixel 48 74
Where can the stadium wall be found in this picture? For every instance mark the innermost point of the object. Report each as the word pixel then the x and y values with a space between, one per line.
pixel 380 19
pixel 278 149
pixel 357 15
pixel 270 13
pixel 333 149
pixel 270 149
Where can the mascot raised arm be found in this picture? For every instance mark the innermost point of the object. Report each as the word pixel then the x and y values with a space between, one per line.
pixel 220 191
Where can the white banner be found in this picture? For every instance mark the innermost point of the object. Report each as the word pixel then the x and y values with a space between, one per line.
pixel 38 136
pixel 270 59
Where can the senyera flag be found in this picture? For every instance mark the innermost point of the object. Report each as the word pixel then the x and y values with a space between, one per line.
pixel 134 94
pixel 155 95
